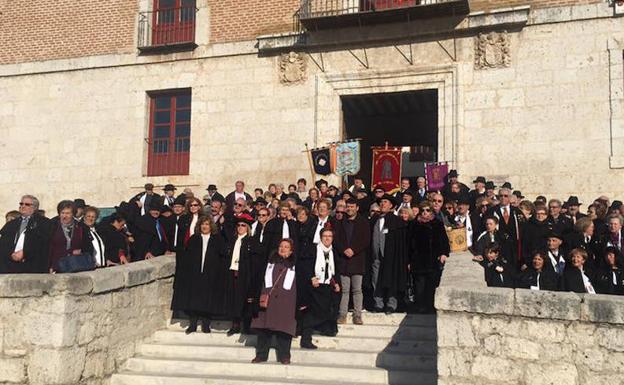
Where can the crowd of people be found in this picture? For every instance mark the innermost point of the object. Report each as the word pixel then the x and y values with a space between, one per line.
pixel 294 261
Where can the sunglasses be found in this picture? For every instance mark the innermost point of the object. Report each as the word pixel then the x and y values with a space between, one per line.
pixel 426 210
pixel 241 225
pixel 438 200
pixel 238 205
pixel 25 204
pixel 339 212
pixel 195 205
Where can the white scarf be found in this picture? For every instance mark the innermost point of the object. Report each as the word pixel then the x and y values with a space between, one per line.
pixel 288 279
pixel 193 224
pixel 587 283
pixel 319 227
pixel 285 230
pixel 205 240
pixel 319 266
pixel 236 252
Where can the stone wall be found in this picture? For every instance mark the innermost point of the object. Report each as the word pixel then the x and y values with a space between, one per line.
pixel 78 328
pixel 502 336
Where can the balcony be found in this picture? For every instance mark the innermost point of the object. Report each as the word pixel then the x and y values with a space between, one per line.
pixel 325 14
pixel 167 30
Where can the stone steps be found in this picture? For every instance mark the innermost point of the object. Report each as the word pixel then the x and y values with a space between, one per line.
pixel 386 360
pixel 340 342
pixel 300 372
pixel 386 350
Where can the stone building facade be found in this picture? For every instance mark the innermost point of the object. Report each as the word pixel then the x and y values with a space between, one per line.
pixel 526 91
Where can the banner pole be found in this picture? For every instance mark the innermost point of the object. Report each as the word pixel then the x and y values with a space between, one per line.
pixel 309 155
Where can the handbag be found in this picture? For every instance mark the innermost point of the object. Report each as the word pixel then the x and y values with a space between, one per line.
pixel 76 263
pixel 264 298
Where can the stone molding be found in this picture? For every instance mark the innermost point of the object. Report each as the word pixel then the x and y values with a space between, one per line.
pixel 90 282
pixel 615 46
pixel 463 289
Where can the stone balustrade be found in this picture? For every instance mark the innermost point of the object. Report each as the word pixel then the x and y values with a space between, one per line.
pixel 506 336
pixel 79 328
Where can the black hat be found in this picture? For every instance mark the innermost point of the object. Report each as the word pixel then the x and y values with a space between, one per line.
pixel 506 185
pixel 332 187
pixel 480 179
pixel 169 187
pixel 554 234
pixel 388 197
pixel 148 186
pixel 164 209
pixel 408 192
pixel 347 193
pixel 379 187
pixel 80 203
pixel 361 190
pixel 261 200
pixel 573 201
pixel 319 182
pixel 518 194
pixel 155 204
pixel 180 200
pixel 212 187
pixel 615 205
pixel 489 185
pixel 453 174
pixel 463 200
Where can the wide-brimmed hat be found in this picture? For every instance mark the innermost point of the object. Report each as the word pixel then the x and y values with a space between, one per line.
pixel 480 179
pixel 573 201
pixel 169 187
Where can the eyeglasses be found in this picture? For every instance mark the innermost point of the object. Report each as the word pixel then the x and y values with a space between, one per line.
pixel 425 210
pixel 554 207
pixel 438 200
pixel 262 215
pixel 241 225
pixel 238 205
pixel 339 212
pixel 195 205
pixel 25 204
pixel 503 195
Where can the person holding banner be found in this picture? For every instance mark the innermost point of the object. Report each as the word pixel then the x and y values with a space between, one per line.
pixel 389 251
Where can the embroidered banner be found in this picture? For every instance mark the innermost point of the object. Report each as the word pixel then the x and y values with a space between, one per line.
pixel 321 161
pixel 436 173
pixel 387 168
pixel 347 158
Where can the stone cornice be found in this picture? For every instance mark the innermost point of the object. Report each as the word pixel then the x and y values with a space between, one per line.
pixel 463 289
pixel 90 282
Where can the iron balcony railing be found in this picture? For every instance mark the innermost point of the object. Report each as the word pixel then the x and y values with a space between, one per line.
pixel 167 27
pixel 325 8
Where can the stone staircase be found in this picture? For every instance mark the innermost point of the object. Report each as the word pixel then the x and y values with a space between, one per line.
pixel 393 350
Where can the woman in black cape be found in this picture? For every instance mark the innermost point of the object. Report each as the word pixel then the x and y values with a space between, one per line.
pixel 199 286
pixel 241 266
pixel 319 278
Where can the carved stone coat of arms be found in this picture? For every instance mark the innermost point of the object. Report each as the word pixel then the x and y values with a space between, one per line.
pixel 492 50
pixel 292 68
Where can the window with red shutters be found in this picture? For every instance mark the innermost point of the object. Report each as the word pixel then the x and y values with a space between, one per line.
pixel 169 133
pixel 173 22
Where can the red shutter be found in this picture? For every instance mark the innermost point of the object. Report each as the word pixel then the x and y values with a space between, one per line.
pixel 169 134
pixel 173 21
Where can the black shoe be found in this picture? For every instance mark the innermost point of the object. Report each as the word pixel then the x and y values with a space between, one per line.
pixel 308 345
pixel 206 329
pixel 389 311
pixel 233 331
pixel 190 330
pixel 377 310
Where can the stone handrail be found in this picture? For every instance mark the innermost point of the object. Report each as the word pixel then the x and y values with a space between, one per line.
pixel 519 336
pixel 79 328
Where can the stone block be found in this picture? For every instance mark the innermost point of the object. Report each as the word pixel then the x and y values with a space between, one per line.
pixel 553 374
pixel 610 338
pixel 455 330
pixel 454 362
pixel 76 284
pixel 602 308
pixel 25 285
pixel 485 300
pixel 164 266
pixel 103 280
pixel 138 273
pixel 544 330
pixel 520 348
pixel 547 304
pixel 50 330
pixel 56 366
pixel 12 370
pixel 496 369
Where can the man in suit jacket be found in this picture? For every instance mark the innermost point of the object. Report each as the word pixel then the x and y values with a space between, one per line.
pixel 352 240
pixel 280 227
pixel 508 226
pixel 24 240
pixel 238 193
pixel 420 193
pixel 574 212
pixel 615 236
